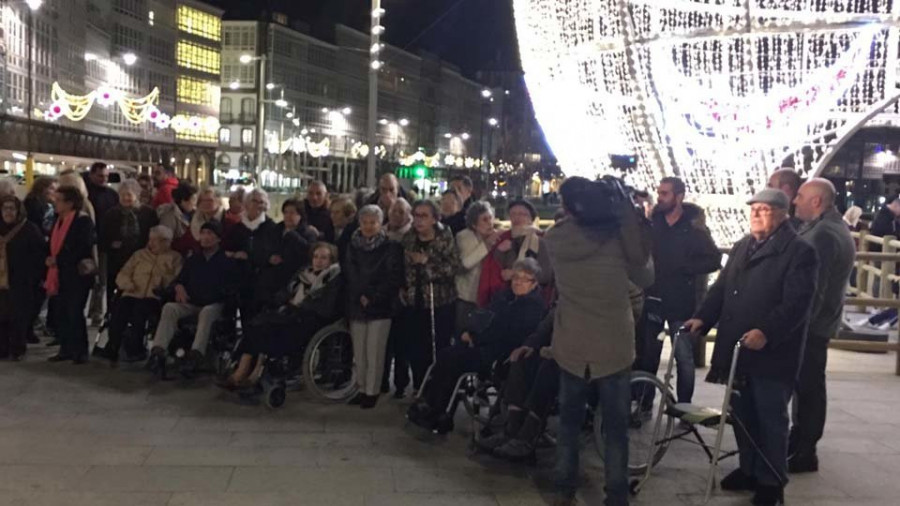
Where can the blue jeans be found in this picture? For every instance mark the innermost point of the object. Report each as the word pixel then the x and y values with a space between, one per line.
pixel 684 364
pixel 762 408
pixel 614 401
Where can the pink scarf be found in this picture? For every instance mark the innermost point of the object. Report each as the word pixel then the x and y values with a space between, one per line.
pixel 57 238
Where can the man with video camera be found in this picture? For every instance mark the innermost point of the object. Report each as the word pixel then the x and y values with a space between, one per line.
pixel 601 247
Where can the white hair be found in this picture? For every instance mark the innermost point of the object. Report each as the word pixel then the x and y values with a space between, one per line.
pixel 7 187
pixel 130 185
pixel 162 232
pixel 372 210
pixel 261 193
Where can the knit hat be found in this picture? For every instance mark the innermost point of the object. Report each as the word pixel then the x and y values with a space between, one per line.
pixel 214 227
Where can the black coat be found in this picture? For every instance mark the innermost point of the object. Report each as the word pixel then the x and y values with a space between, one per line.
pixel 259 246
pixel 455 222
pixel 293 248
pixel 515 318
pixel 320 218
pixel 25 256
pixel 682 255
pixel 377 275
pixel 41 214
pixel 103 198
pixel 207 280
pixel 78 246
pixel 772 291
pixel 110 231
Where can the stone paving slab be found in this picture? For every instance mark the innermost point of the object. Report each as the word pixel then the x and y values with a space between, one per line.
pixel 93 436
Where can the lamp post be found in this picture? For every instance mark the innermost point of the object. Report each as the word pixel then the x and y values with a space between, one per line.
pixel 261 108
pixel 33 6
pixel 486 95
pixel 374 66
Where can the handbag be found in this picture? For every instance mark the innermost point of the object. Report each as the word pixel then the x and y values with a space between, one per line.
pixel 87 267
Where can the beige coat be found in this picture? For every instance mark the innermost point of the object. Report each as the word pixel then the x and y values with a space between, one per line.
pixel 144 272
pixel 594 325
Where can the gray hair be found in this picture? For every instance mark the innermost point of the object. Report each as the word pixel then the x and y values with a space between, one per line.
pixel 372 210
pixel 261 193
pixel 163 232
pixel 402 202
pixel 130 185
pixel 476 210
pixel 529 265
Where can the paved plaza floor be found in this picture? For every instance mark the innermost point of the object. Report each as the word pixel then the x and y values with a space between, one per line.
pixel 88 435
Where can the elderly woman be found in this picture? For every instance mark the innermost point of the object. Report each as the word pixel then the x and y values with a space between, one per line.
pixel 523 240
pixel 21 246
pixel 310 301
pixel 146 271
pixel 399 220
pixel 474 243
pixel 248 244
pixel 125 229
pixel 39 204
pixel 516 313
pixel 374 272
pixel 287 246
pixel 178 214
pixel 71 268
pixel 432 262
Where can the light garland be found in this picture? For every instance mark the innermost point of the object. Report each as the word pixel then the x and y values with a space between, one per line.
pixel 135 110
pixel 715 92
pixel 438 160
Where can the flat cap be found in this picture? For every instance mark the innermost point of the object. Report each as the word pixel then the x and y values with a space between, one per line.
pixel 772 197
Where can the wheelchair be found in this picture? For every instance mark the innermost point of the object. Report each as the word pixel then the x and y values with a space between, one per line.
pixel 102 337
pixel 325 368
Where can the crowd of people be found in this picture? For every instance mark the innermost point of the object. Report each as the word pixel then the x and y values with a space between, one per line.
pixel 561 316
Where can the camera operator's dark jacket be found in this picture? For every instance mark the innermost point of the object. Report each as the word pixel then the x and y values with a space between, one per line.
pixel 593 330
pixel 772 290
pixel 683 254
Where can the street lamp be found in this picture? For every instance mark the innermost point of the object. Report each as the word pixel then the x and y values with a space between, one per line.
pixel 33 6
pixel 493 122
pixel 486 93
pixel 246 59
pixel 129 59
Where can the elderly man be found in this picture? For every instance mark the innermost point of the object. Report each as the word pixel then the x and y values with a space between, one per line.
pixel 824 228
pixel 389 190
pixel 761 298
pixel 318 214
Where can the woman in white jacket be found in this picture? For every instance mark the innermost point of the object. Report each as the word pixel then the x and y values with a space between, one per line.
pixel 474 243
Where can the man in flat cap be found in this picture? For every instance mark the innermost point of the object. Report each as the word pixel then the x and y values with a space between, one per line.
pixel 761 298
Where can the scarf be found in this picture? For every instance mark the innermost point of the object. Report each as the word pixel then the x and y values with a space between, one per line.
pixel 129 229
pixel 252 225
pixel 4 259
pixel 361 242
pixel 199 219
pixel 57 238
pixel 398 233
pixel 308 281
pixel 530 243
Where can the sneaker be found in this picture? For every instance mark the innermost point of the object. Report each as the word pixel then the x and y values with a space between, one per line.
pixel 737 481
pixel 803 463
pixel 768 495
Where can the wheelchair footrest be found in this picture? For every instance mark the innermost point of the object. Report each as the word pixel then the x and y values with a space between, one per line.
pixel 696 415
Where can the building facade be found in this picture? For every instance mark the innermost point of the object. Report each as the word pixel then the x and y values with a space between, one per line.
pixel 316 98
pixel 127 81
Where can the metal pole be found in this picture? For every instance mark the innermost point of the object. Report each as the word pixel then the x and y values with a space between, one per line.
pixel 29 160
pixel 263 43
pixel 374 65
pixel 484 165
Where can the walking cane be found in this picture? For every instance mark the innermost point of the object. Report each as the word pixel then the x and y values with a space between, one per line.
pixel 433 331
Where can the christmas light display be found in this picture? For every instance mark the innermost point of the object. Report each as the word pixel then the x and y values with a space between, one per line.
pixel 717 92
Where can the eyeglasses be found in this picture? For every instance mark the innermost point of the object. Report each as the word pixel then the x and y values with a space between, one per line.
pixel 761 211
pixel 422 216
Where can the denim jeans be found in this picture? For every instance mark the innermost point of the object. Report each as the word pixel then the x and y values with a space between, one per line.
pixel 762 408
pixel 684 364
pixel 614 402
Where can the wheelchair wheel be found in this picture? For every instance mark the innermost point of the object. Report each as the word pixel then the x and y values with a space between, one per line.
pixel 328 370
pixel 641 423
pixel 275 396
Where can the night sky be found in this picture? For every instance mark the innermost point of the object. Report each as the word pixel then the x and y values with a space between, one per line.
pixel 473 34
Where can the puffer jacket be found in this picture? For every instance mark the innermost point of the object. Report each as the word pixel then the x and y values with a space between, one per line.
pixel 145 271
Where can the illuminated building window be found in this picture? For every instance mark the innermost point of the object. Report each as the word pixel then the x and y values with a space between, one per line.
pixel 225 136
pixel 197 57
pixel 151 17
pixel 196 22
pixel 196 91
pixel 197 136
pixel 247 136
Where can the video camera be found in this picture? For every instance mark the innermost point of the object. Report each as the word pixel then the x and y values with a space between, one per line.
pixel 599 204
